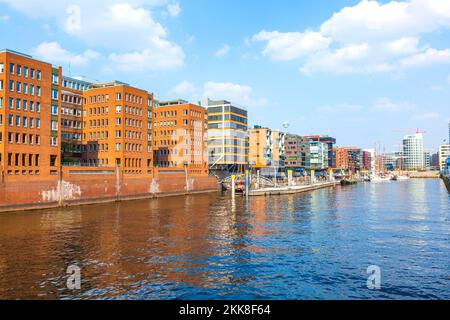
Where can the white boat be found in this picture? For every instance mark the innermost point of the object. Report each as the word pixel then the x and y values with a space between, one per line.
pixel 377 179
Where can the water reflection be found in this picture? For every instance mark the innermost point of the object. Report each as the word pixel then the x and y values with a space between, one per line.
pixel 309 246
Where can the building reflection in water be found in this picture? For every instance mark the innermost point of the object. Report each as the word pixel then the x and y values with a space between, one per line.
pixel 217 246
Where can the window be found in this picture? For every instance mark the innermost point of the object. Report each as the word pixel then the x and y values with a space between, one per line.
pixel 38 91
pixel 55 78
pixel 11 85
pixel 17 104
pixel 118 109
pixel 118 121
pixel 11 68
pixel 117 146
pixel 24 122
pixel 53 141
pixel 118 133
pixel 54 94
pixel 32 73
pixel 54 110
pixel 2 67
pixel 1 85
pixel 118 96
pixel 54 125
pixel 1 102
pixel 38 107
pixel 19 87
pixel 31 106
pixel 24 105
pixel 19 69
pixel 17 121
pixel 31 89
pixel 31 122
pixel 38 74
pixel 25 88
pixel 10 120
pixel 25 72
pixel 38 123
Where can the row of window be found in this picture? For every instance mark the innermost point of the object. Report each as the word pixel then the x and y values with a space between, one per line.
pixel 71 99
pixel 98 111
pixel 21 121
pixel 24 105
pixel 104 122
pixel 76 85
pixel 24 88
pixel 22 138
pixel 71 111
pixel 27 72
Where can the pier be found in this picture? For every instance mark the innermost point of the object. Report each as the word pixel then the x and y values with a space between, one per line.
pixel 292 189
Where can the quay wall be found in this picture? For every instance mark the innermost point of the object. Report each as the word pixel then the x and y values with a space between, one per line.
pixel 424 175
pixel 80 185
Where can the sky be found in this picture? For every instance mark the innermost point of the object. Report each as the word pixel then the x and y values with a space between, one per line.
pixel 364 72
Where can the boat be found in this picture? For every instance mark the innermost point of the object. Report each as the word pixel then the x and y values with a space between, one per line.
pixel 348 182
pixel 445 175
pixel 378 179
pixel 394 178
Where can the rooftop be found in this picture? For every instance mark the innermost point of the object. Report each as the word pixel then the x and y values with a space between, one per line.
pixel 16 52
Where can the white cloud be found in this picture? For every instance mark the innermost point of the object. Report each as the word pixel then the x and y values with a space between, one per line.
pixel 386 105
pixel 369 37
pixel 426 116
pixel 223 51
pixel 174 9
pixel 428 57
pixel 4 18
pixel 127 30
pixel 404 45
pixel 53 52
pixel 163 56
pixel 340 108
pixel 343 60
pixel 291 45
pixel 184 89
pixel 370 20
pixel 241 94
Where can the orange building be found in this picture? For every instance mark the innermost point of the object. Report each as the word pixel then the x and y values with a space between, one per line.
pixel 179 136
pixel 348 158
pixel 116 124
pixel 29 117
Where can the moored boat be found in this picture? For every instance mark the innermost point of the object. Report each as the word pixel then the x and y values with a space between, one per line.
pixel 348 182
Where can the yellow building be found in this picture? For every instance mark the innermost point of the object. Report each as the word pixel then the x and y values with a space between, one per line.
pixel 266 147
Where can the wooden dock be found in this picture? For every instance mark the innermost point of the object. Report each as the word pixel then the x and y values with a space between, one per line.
pixel 292 189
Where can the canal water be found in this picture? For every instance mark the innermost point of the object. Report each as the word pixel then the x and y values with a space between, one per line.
pixel 315 245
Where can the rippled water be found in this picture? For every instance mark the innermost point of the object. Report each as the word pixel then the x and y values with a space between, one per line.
pixel 309 246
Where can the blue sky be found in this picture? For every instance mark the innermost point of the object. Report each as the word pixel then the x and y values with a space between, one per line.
pixel 362 71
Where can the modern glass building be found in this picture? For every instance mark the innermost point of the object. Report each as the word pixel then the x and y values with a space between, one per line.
pixel 413 152
pixel 228 143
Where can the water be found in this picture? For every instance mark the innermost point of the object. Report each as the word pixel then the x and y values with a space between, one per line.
pixel 308 246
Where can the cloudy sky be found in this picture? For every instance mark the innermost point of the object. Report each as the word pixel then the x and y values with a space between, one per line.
pixel 362 71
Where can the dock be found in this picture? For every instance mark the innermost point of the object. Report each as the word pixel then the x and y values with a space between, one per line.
pixel 292 189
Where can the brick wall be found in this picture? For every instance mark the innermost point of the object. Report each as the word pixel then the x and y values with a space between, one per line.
pixel 80 185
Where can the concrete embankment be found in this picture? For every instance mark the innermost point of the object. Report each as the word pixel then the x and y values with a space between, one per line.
pixel 292 189
pixel 424 175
